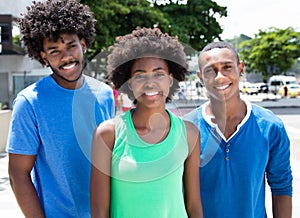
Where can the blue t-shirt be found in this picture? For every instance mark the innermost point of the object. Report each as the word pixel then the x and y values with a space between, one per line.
pixel 56 125
pixel 232 172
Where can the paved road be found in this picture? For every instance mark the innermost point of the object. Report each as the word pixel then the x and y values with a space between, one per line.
pixel 292 125
pixel 10 209
pixel 262 99
pixel 8 204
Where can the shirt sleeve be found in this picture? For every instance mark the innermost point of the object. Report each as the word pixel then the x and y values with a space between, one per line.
pixel 279 173
pixel 106 106
pixel 23 135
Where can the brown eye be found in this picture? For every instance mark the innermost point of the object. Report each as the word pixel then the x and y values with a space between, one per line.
pixel 209 70
pixel 159 75
pixel 227 67
pixel 139 77
pixel 53 52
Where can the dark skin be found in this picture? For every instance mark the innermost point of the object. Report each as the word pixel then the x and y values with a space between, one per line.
pixel 150 83
pixel 19 170
pixel 65 57
pixel 220 73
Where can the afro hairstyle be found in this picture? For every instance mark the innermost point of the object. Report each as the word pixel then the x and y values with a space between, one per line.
pixel 51 18
pixel 145 42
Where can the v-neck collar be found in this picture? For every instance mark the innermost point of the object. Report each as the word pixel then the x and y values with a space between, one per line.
pixel 208 119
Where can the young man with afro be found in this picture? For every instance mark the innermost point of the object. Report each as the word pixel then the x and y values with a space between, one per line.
pixel 53 119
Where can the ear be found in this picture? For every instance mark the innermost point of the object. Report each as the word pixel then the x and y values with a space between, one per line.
pixel 241 67
pixel 44 57
pixel 200 75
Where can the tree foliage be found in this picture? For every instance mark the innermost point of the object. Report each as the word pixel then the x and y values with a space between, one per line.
pixel 271 51
pixel 120 17
pixel 194 23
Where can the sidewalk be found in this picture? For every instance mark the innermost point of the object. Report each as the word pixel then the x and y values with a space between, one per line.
pixel 8 204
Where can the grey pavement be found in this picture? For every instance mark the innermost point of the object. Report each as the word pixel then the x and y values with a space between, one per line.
pixel 9 207
pixel 265 100
pixel 8 204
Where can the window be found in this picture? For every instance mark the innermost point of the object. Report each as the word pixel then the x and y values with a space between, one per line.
pixel 4 32
pixel 276 83
pixel 9 36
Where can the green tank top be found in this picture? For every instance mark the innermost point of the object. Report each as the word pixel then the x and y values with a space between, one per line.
pixel 147 178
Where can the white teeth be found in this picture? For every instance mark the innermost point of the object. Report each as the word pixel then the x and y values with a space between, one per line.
pixel 68 67
pixel 151 93
pixel 222 87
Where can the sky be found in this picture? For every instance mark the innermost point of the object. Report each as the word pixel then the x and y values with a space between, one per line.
pixel 248 16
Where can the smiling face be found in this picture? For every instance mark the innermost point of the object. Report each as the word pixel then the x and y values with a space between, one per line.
pixel 65 57
pixel 150 81
pixel 220 73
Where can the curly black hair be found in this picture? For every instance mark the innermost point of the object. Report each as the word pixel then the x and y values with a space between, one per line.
pixel 143 42
pixel 51 18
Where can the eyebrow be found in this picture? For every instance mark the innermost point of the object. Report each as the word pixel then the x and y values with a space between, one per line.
pixel 222 63
pixel 55 47
pixel 227 62
pixel 144 71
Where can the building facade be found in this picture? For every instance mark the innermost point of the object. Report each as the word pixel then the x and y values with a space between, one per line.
pixel 17 70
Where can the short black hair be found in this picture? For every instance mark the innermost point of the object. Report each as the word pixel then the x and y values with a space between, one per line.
pixel 220 44
pixel 145 42
pixel 51 18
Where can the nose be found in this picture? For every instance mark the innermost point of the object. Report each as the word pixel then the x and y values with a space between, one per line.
pixel 220 77
pixel 150 82
pixel 66 55
pixel 219 74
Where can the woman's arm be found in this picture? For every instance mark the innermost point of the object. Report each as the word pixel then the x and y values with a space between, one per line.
pixel 191 173
pixel 103 143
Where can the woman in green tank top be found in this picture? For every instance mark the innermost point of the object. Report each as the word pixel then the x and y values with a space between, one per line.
pixel 146 160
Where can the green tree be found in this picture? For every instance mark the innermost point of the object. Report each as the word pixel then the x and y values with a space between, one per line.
pixel 120 17
pixel 271 51
pixel 195 23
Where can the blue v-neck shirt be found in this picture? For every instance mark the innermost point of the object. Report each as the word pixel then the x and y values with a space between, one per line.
pixel 233 171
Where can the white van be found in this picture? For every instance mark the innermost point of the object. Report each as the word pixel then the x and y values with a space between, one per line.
pixel 277 81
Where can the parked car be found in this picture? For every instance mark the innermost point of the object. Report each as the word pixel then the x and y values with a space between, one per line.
pixel 249 88
pixel 263 88
pixel 293 90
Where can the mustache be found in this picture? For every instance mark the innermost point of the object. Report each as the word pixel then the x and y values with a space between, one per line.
pixel 70 62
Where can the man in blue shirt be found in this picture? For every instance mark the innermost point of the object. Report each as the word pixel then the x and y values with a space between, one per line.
pixel 53 120
pixel 242 144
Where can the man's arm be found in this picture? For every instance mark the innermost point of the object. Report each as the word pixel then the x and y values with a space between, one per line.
pixel 19 168
pixel 282 206
pixel 279 174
